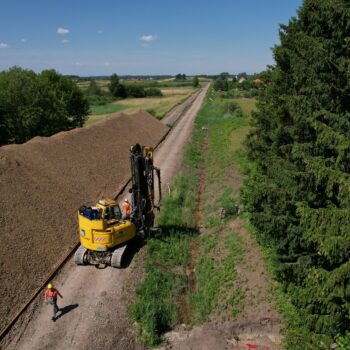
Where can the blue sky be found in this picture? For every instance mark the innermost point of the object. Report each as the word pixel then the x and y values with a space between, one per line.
pixel 94 37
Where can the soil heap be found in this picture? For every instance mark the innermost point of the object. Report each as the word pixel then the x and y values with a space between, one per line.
pixel 43 183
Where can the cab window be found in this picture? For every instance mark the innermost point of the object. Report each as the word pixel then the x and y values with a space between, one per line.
pixel 116 212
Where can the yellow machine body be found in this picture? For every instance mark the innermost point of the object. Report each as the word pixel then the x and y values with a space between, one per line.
pixel 105 229
pixel 104 234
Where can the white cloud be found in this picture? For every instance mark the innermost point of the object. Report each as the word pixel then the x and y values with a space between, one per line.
pixel 23 40
pixel 107 64
pixel 148 38
pixel 62 31
pixel 77 64
pixel 100 31
pixel 3 46
pixel 65 41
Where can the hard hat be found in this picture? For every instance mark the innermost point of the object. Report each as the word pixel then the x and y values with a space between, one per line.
pixel 126 200
pixel 50 286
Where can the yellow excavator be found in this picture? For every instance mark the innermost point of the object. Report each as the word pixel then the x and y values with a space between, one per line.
pixel 104 234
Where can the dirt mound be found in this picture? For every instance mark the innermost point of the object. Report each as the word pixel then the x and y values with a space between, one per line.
pixel 43 183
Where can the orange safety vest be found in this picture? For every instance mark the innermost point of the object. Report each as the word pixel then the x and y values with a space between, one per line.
pixel 52 293
pixel 126 208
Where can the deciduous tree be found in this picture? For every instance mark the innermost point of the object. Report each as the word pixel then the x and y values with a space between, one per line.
pixel 38 104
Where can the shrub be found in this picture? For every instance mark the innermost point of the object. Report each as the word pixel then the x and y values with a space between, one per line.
pixel 220 85
pixel 229 94
pixel 99 100
pixel 120 91
pixel 136 91
pixel 227 202
pixel 153 91
pixel 230 107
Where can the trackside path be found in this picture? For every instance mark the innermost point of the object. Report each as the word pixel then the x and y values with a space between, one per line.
pixel 95 301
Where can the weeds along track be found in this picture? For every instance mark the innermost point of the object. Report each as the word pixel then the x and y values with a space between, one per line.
pixel 44 182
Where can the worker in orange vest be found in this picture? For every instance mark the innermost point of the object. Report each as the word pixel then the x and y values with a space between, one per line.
pixel 51 297
pixel 126 209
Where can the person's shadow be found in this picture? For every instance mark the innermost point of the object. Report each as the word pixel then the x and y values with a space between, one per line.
pixel 64 310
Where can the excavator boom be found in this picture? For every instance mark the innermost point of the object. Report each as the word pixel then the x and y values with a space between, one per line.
pixel 142 190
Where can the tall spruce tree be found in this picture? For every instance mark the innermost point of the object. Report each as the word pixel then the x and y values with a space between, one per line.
pixel 299 198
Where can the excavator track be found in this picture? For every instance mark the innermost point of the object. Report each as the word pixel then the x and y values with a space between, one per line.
pixel 79 256
pixel 117 257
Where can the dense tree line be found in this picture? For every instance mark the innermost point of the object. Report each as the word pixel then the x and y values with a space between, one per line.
pixel 97 96
pixel 299 198
pixel 121 90
pixel 38 105
pixel 234 88
pixel 180 77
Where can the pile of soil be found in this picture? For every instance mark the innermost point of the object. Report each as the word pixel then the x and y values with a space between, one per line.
pixel 43 183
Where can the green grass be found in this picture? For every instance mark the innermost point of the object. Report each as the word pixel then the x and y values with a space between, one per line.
pixel 219 248
pixel 159 305
pixel 248 105
pixel 107 109
pixel 215 276
pixel 156 308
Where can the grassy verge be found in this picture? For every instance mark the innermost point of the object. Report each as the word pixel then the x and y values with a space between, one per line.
pixel 157 307
pixel 172 292
pixel 219 248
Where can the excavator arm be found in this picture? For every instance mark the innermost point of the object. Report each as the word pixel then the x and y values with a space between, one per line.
pixel 142 191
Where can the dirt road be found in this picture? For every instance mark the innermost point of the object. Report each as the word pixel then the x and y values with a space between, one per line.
pixel 95 301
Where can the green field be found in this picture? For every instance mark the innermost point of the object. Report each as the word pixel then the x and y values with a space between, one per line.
pixel 106 109
pixel 157 106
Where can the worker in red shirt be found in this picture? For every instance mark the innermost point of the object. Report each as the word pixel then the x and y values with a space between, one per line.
pixel 51 297
pixel 126 209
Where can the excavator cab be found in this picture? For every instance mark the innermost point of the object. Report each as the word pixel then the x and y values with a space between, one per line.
pixel 110 211
pixel 103 233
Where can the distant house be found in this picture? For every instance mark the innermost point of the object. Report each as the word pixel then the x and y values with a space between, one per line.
pixel 257 81
pixel 241 80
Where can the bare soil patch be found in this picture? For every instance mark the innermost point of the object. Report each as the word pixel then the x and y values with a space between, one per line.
pixel 257 323
pixel 255 327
